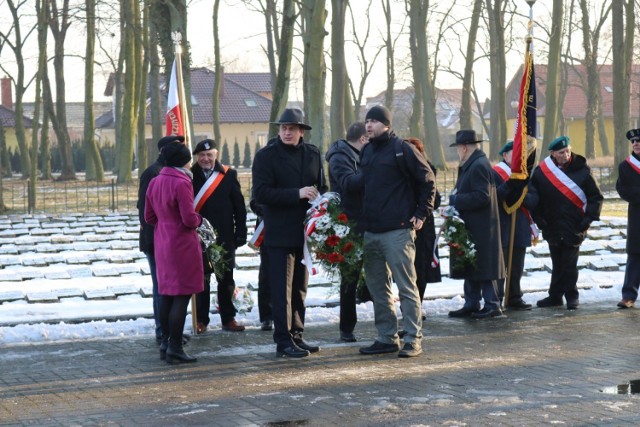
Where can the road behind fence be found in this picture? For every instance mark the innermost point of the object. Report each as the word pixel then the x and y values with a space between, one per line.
pixel 89 196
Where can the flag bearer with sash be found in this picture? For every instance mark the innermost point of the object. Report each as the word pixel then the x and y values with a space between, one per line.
pixel 219 199
pixel 628 186
pixel 565 200
pixel 525 232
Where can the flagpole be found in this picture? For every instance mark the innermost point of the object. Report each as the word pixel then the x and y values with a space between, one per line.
pixel 512 231
pixel 176 36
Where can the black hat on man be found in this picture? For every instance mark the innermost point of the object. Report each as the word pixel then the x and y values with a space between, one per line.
pixel 205 145
pixel 466 136
pixel 169 139
pixel 559 143
pixel 633 135
pixel 175 154
pixel 292 116
pixel 379 113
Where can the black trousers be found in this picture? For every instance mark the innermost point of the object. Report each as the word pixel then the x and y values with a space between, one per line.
pixel 517 267
pixel 226 288
pixel 288 279
pixel 264 290
pixel 173 312
pixel 564 274
pixel 349 277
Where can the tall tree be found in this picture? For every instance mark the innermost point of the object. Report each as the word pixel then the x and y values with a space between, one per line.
pixel 314 69
pixel 418 29
pixel 498 65
pixel 390 59
pixel 551 92
pixel 218 82
pixel 155 104
pixel 141 93
pixel 17 46
pixel 93 161
pixel 622 16
pixel 467 79
pixel 281 89
pixel 338 70
pixel 59 24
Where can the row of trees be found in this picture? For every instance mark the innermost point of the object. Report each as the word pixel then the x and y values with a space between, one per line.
pixel 436 35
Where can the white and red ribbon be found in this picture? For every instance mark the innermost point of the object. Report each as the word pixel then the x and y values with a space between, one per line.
pixel 634 163
pixel 564 184
pixel 318 209
pixel 503 170
pixel 258 237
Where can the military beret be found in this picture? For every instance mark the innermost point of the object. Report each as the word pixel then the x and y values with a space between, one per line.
pixel 204 145
pixel 507 147
pixel 559 143
pixel 633 135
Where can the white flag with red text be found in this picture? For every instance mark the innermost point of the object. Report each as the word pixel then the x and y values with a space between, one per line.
pixel 173 120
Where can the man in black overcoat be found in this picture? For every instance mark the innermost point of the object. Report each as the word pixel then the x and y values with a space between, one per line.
pixel 475 198
pixel 287 175
pixel 628 186
pixel 218 198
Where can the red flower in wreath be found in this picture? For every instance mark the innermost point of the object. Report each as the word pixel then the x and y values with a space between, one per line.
pixel 336 258
pixel 343 218
pixel 348 247
pixel 333 240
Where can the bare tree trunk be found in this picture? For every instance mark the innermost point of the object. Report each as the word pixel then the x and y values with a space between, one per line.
pixel 338 70
pixel 155 105
pixel 551 93
pixel 144 55
pixel 465 105
pixel 218 82
pixel 498 77
pixel 388 43
pixel 281 91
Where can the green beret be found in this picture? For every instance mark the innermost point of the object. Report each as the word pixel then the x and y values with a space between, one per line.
pixel 559 143
pixel 507 147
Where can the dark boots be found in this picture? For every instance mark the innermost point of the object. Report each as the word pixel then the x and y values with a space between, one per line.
pixel 164 344
pixel 175 354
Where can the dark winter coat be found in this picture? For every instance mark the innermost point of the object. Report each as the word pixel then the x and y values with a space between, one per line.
pixel 392 196
pixel 628 186
pixel 146 230
pixel 425 242
pixel 477 202
pixel 522 232
pixel 225 209
pixel 558 218
pixel 279 171
pixel 169 208
pixel 344 162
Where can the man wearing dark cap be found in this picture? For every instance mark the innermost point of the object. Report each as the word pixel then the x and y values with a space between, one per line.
pixel 399 193
pixel 219 199
pixel 146 230
pixel 564 200
pixel 475 199
pixel 287 175
pixel 628 186
pixel 525 230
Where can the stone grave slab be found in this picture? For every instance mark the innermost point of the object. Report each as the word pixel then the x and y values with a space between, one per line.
pixel 589 247
pixel 97 237
pixel 146 292
pixel 145 270
pixel 30 273
pixel 82 230
pixel 618 258
pixel 540 251
pixel 85 246
pixel 78 259
pixel 108 230
pixel 59 239
pixel 78 271
pixel 9 260
pixel 12 232
pixel 245 250
pixel 31 240
pixel 124 290
pixel 9 296
pixel 602 264
pixel 617 223
pixel 320 281
pixel 10 276
pixel 9 250
pixel 99 294
pixel 133 229
pixel 127 269
pixel 45 231
pixel 49 248
pixel 533 264
pixel 105 270
pixel 123 245
pixel 119 258
pixel 129 236
pixel 69 293
pixel 247 263
pixel 41 297
pixel 25 226
pixel 602 233
pixel 57 275
pixel 34 261
pixel 53 224
pixel 54 259
pixel 616 246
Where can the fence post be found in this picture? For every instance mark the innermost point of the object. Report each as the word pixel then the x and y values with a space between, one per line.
pixel 113 195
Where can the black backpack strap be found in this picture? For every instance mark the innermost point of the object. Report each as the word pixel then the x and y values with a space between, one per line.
pixel 401 160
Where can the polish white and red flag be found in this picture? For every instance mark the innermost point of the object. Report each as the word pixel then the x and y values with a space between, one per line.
pixel 173 119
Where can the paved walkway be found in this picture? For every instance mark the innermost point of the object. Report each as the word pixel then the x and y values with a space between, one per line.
pixel 547 366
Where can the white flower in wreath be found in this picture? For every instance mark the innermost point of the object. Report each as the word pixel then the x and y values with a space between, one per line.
pixel 341 231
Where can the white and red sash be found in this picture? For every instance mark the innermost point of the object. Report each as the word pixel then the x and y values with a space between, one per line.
pixel 634 163
pixel 208 188
pixel 258 236
pixel 564 184
pixel 504 171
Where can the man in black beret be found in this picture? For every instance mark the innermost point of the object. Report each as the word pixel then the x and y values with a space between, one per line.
pixel 218 198
pixel 287 174
pixel 399 193
pixel 475 199
pixel 564 200
pixel 146 230
pixel 628 186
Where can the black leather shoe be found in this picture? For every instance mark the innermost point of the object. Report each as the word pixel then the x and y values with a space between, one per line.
pixel 294 352
pixel 402 333
pixel 163 349
pixel 177 355
pixel 347 337
pixel 573 305
pixel 267 325
pixel 303 345
pixel 463 312
pixel 519 305
pixel 379 348
pixel 549 302
pixel 487 313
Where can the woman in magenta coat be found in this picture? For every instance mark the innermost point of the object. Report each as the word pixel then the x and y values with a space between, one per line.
pixel 178 254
